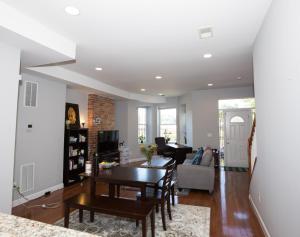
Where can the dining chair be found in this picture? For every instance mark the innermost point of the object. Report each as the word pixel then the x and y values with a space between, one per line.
pixel 162 194
pixel 162 148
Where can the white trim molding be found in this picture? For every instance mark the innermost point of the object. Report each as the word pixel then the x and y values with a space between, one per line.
pixel 260 220
pixel 37 195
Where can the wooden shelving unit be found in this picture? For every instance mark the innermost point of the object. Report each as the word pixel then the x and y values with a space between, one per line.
pixel 75 154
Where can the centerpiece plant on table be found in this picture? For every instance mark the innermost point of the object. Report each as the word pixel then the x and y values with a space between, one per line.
pixel 148 152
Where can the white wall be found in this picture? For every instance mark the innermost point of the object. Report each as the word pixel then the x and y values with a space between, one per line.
pixel 187 101
pixel 44 143
pixel 127 120
pixel 205 113
pixel 81 98
pixel 9 74
pixel 277 89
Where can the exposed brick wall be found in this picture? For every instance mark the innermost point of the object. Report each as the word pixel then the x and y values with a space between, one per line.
pixel 104 108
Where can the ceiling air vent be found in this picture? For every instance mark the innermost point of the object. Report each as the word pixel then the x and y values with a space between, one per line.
pixel 30 95
pixel 206 32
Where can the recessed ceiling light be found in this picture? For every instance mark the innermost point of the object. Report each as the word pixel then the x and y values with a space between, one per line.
pixel 143 89
pixel 161 94
pixel 72 10
pixel 207 55
pixel 158 77
pixel 98 68
pixel 239 78
pixel 210 84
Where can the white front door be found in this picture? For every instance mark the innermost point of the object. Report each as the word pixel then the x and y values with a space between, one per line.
pixel 237 130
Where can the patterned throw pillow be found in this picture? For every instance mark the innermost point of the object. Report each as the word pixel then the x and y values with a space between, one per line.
pixel 207 157
pixel 198 156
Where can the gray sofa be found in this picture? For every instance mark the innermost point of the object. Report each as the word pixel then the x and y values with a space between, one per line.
pixel 196 176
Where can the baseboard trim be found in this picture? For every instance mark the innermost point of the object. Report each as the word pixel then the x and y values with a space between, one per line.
pixel 260 220
pixel 137 160
pixel 37 195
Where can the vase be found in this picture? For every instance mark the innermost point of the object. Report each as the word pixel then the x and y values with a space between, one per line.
pixel 149 159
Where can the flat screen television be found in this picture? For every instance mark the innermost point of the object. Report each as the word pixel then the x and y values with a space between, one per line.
pixel 108 141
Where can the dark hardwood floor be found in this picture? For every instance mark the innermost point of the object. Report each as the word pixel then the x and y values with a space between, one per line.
pixel 231 213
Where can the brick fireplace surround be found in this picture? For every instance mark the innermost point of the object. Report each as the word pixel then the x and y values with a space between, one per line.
pixel 103 108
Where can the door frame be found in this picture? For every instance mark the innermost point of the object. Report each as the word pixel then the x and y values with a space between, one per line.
pixel 249 110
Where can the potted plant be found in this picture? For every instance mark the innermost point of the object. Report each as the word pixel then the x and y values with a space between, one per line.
pixel 148 152
pixel 167 137
pixel 141 139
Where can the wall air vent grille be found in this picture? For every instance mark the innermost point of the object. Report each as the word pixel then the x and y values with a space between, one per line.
pixel 30 95
pixel 206 32
pixel 27 177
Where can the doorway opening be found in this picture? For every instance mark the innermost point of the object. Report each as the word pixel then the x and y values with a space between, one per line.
pixel 227 105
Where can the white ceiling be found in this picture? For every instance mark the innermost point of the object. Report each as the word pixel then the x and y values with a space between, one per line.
pixel 135 40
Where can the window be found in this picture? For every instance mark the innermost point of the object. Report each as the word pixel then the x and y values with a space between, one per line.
pixel 237 119
pixel 142 125
pixel 167 124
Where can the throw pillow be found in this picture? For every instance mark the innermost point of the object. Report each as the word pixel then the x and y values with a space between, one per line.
pixel 198 156
pixel 207 157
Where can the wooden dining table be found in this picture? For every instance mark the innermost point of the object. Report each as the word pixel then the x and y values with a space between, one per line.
pixel 126 176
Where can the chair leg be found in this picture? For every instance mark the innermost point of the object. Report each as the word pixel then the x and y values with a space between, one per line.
pixel 92 216
pixel 144 227
pixel 80 215
pixel 67 216
pixel 118 190
pixel 137 223
pixel 173 194
pixel 169 207
pixel 163 216
pixel 153 223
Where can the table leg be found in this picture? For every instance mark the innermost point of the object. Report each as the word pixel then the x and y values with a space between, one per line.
pixel 92 187
pixel 80 215
pixel 111 190
pixel 67 216
pixel 143 192
pixel 155 197
pixel 153 223
pixel 118 190
pixel 144 227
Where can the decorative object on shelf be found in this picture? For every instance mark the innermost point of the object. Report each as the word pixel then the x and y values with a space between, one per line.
pixel 97 120
pixel 148 152
pixel 75 154
pixel 124 154
pixel 83 123
pixel 141 139
pixel 72 115
pixel 68 124
pixel 88 167
pixel 82 138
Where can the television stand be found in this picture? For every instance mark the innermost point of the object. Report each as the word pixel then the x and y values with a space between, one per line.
pixel 111 156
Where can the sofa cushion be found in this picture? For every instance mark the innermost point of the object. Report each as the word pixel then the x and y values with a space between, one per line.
pixel 198 156
pixel 206 158
pixel 188 162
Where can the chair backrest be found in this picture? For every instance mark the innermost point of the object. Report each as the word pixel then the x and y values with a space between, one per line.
pixel 168 178
pixel 160 142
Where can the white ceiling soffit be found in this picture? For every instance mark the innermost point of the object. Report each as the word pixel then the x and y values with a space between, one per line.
pixel 72 77
pixel 38 44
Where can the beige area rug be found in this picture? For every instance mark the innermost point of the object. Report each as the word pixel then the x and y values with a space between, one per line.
pixel 192 221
